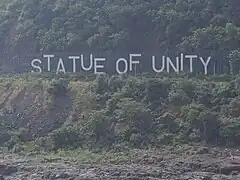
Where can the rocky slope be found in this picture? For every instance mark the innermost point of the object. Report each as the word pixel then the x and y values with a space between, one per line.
pixel 204 164
pixel 26 101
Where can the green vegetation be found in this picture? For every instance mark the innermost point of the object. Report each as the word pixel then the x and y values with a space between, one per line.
pixel 205 27
pixel 123 111
pixel 137 112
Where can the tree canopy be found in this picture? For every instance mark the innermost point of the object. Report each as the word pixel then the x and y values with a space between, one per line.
pixel 208 27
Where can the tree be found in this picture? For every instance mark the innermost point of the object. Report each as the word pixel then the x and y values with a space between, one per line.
pixel 234 57
pixel 135 116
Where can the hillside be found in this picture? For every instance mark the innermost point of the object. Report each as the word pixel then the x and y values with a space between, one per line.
pixel 174 122
pixel 205 27
pixel 140 111
pixel 148 126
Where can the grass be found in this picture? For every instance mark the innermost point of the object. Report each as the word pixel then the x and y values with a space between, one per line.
pixel 78 156
pixel 81 156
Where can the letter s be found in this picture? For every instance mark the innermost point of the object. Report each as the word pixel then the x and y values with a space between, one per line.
pixel 36 66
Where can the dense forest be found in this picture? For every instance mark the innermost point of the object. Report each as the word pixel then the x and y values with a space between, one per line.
pixel 208 28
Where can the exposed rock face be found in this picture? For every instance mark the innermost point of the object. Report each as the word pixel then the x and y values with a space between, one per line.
pixel 23 106
pixel 203 166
